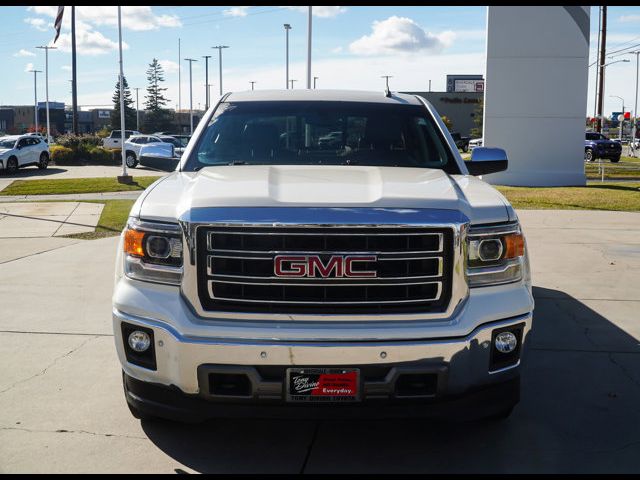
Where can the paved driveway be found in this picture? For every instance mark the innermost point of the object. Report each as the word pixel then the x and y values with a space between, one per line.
pixel 62 407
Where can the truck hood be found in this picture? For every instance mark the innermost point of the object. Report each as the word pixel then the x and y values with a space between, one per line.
pixel 321 186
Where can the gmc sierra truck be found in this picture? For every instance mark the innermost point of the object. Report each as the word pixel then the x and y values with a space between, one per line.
pixel 274 273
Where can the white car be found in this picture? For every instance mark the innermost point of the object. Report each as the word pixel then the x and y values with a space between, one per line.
pixel 113 140
pixel 133 145
pixel 21 150
pixel 476 142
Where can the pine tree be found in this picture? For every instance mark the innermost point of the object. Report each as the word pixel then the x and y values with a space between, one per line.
pixel 157 117
pixel 129 109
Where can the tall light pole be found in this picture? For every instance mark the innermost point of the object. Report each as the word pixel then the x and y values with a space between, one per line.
pixel 124 178
pixel 137 111
pixel 314 82
pixel 179 80
pixel 209 89
pixel 46 81
pixel 291 82
pixel 35 94
pixel 635 107
pixel 206 81
pixel 191 60
pixel 309 48
pixel 287 27
pixel 252 82
pixel 621 121
pixel 220 47
pixel 601 99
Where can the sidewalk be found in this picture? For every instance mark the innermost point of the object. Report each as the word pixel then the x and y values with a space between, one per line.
pixel 73 196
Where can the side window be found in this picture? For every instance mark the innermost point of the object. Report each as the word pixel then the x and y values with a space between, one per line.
pixel 35 141
pixel 115 134
pixel 22 143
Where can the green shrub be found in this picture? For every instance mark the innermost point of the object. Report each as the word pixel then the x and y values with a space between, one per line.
pixel 103 132
pixel 72 141
pixel 101 156
pixel 62 155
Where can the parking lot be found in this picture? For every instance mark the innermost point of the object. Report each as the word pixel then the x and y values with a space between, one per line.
pixel 62 407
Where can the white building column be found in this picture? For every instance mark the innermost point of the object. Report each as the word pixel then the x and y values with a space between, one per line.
pixel 536 93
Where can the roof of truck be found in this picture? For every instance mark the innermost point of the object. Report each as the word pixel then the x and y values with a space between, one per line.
pixel 322 96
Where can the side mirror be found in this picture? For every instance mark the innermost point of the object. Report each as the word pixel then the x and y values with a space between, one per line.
pixel 160 156
pixel 486 160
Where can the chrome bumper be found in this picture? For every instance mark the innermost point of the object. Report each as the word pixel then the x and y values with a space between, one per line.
pixel 178 357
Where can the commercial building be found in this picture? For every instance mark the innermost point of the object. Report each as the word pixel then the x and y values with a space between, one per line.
pixel 461 108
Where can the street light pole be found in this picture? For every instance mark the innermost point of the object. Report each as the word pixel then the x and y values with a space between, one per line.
pixel 252 82
pixel 309 49
pixel 190 60
pixel 635 107
pixel 35 95
pixel 137 111
pixel 206 81
pixel 291 82
pixel 621 121
pixel 601 98
pixel 287 27
pixel 387 77
pixel 314 82
pixel 220 47
pixel 46 81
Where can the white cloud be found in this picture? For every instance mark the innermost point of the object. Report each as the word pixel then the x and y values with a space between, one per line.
pixel 322 11
pixel 629 18
pixel 24 53
pixel 400 35
pixel 88 41
pixel 39 23
pixel 136 18
pixel 169 66
pixel 28 66
pixel 236 11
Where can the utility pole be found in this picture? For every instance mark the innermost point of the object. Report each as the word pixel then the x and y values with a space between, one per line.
pixel 206 81
pixel 124 178
pixel 252 82
pixel 314 82
pixel 220 47
pixel 387 77
pixel 46 81
pixel 287 27
pixel 74 83
pixel 191 60
pixel 35 95
pixel 291 82
pixel 309 49
pixel 137 112
pixel 603 51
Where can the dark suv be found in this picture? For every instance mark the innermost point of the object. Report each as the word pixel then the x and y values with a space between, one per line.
pixel 461 142
pixel 597 145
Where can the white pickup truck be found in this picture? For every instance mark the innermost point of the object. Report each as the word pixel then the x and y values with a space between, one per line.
pixel 114 140
pixel 276 274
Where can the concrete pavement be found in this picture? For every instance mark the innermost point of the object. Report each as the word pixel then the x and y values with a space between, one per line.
pixel 62 408
pixel 48 219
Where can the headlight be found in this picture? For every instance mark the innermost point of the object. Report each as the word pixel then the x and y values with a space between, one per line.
pixel 495 255
pixel 153 252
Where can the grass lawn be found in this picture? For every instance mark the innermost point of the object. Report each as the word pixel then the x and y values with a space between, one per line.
pixel 112 221
pixel 75 185
pixel 608 196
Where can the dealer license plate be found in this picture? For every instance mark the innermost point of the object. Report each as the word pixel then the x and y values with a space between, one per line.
pixel 323 385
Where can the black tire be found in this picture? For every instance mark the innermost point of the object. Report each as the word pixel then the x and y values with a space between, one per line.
pixel 615 160
pixel 43 163
pixel 131 160
pixel 465 147
pixel 12 166
pixel 588 155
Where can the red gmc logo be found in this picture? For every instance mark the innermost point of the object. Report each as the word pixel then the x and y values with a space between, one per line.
pixel 312 266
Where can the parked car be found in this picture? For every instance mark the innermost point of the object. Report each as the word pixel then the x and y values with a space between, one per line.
pixel 114 139
pixel 596 145
pixel 264 277
pixel 475 142
pixel 18 151
pixel 461 142
pixel 133 145
pixel 39 135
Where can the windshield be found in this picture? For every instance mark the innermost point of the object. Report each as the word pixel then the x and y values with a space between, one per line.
pixel 595 136
pixel 5 143
pixel 321 133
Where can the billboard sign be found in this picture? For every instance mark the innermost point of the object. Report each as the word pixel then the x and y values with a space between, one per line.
pixel 104 114
pixel 469 86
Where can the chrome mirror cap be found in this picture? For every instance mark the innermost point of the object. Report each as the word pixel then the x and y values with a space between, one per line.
pixel 485 160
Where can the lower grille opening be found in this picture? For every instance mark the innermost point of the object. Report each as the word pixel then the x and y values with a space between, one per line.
pixel 229 384
pixel 416 385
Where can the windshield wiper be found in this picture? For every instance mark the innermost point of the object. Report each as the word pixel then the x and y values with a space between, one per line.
pixel 237 162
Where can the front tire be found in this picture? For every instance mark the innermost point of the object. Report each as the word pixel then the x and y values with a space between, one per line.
pixel 43 163
pixel 12 166
pixel 131 160
pixel 615 159
pixel 588 155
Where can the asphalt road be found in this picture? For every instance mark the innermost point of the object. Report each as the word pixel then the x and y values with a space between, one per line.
pixel 62 409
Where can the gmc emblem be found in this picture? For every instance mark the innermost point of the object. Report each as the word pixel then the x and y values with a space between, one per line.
pixel 312 266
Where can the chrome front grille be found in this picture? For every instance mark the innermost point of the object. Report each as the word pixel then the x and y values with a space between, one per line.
pixel 412 269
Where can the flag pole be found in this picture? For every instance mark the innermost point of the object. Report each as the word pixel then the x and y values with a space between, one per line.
pixel 124 178
pixel 74 88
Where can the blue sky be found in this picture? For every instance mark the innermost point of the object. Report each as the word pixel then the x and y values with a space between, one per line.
pixel 353 46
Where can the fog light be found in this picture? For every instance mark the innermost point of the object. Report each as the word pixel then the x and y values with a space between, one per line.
pixel 506 342
pixel 139 341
